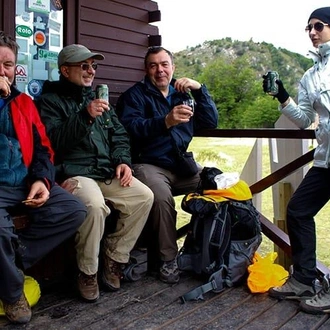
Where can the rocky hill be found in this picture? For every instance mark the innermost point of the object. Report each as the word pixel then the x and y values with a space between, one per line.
pixel 261 58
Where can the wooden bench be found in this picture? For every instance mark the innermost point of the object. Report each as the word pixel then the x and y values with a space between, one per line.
pixel 60 263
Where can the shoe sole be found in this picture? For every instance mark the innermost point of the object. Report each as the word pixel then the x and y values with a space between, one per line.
pixel 169 281
pixel 290 295
pixel 282 297
pixel 315 311
pixel 108 286
pixel 90 300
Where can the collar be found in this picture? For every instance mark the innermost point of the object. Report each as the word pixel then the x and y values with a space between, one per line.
pixel 322 51
pixel 66 88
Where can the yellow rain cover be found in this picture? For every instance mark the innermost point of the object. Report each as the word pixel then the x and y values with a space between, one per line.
pixel 240 192
pixel 31 290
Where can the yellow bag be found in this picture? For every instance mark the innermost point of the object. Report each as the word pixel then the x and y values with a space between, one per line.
pixel 31 290
pixel 264 274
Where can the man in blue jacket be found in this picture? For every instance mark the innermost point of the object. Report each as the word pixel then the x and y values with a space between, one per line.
pixel 161 125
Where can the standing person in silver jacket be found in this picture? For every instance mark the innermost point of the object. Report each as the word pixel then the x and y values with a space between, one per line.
pixel 314 191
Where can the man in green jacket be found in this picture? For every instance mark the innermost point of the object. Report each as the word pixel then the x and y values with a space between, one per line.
pixel 92 156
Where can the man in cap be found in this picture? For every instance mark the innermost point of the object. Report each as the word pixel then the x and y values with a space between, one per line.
pixel 92 157
pixel 314 190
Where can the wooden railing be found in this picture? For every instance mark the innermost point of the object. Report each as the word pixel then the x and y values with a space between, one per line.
pixel 275 234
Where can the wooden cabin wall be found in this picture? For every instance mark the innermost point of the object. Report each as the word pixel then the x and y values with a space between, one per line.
pixel 120 29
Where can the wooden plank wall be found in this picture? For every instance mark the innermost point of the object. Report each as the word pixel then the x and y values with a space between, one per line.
pixel 118 29
pixel 7 16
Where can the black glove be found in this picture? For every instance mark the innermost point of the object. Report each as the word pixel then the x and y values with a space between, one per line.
pixel 282 94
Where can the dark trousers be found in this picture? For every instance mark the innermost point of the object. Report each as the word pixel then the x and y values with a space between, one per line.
pixel 311 195
pixel 51 224
pixel 160 230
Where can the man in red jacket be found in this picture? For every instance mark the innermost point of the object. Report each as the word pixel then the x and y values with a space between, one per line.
pixel 27 181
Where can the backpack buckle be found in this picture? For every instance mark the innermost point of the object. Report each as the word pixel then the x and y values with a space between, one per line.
pixel 217 281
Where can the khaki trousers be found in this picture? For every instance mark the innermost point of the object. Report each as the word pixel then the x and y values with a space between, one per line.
pixel 133 203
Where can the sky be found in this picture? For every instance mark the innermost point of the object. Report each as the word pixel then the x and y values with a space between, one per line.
pixel 187 23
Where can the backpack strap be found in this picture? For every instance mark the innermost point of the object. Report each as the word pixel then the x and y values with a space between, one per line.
pixel 215 246
pixel 215 284
pixel 220 238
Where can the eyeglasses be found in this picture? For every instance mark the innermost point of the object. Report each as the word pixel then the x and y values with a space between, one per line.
pixel 84 66
pixel 318 26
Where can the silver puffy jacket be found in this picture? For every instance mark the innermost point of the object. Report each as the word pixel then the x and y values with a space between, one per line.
pixel 314 98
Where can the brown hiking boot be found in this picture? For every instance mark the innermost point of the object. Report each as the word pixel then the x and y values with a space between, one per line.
pixel 18 312
pixel 112 274
pixel 169 272
pixel 88 287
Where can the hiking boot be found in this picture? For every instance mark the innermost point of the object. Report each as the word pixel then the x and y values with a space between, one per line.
pixel 18 312
pixel 169 272
pixel 112 274
pixel 292 289
pixel 320 303
pixel 88 287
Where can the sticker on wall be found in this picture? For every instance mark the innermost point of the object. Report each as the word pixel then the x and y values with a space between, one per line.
pixel 40 22
pixel 34 87
pixel 21 73
pixel 24 31
pixel 47 55
pixel 39 38
pixel 56 26
pixel 39 5
pixel 57 5
pixel 26 16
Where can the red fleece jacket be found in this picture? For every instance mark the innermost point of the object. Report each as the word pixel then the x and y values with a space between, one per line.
pixel 25 115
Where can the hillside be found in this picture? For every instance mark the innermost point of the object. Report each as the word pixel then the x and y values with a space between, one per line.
pixel 261 58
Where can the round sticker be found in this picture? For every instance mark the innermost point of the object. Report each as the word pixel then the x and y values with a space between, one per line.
pixel 39 38
pixel 34 87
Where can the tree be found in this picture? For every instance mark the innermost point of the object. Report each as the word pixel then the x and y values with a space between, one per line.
pixel 232 85
pixel 263 113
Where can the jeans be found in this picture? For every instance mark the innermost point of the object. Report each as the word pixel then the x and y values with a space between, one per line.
pixel 51 224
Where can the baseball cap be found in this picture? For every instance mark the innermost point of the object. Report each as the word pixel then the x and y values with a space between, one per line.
pixel 76 53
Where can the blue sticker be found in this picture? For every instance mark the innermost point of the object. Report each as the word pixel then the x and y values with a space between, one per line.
pixel 35 87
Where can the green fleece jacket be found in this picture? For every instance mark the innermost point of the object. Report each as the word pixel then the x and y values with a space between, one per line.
pixel 83 145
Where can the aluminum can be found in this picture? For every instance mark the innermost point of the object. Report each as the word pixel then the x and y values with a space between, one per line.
pixel 272 87
pixel 102 92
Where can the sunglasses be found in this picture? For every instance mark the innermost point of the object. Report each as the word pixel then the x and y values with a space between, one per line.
pixel 318 26
pixel 85 66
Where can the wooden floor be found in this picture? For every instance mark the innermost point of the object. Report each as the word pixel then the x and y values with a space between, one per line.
pixel 151 304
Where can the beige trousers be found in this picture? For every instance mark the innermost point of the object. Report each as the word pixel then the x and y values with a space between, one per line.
pixel 133 203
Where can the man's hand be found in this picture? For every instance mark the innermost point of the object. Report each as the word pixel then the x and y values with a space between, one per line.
pixel 185 85
pixel 97 107
pixel 124 174
pixel 179 114
pixel 38 195
pixel 4 86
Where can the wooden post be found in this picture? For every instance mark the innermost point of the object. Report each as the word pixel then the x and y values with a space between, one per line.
pixel 285 193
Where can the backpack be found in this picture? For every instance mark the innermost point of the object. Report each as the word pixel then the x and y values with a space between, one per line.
pixel 223 235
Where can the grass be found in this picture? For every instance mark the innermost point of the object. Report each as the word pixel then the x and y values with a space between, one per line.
pixel 230 155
